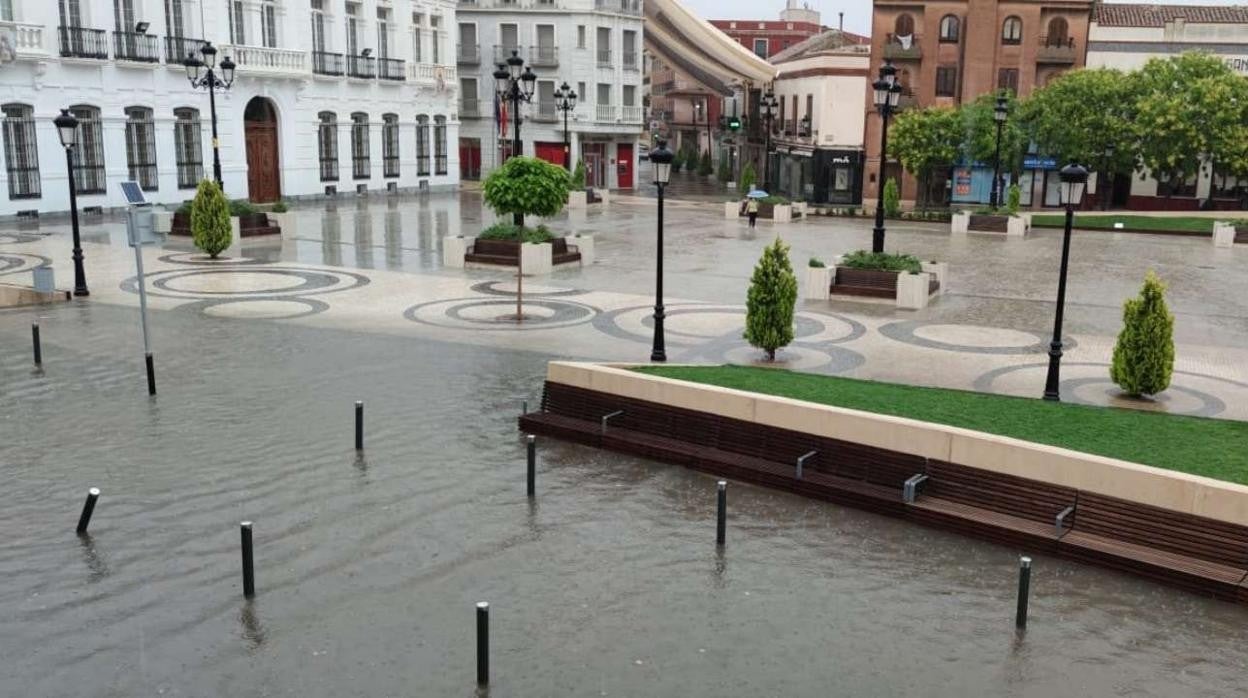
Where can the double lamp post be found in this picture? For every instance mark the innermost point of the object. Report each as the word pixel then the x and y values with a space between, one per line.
pixel 209 78
pixel 565 101
pixel 887 94
pixel 767 108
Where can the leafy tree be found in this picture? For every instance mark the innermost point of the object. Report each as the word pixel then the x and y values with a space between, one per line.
pixel 1086 116
pixel 704 166
pixel 578 175
pixel 210 219
pixel 892 199
pixel 981 133
pixel 770 302
pixel 748 178
pixel 926 141
pixel 526 186
pixel 1013 198
pixel 1144 354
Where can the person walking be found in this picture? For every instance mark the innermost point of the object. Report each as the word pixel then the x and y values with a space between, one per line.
pixel 751 210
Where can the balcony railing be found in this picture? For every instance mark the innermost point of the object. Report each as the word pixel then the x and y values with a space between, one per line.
pixel 470 108
pixel 362 67
pixel 468 54
pixel 1058 49
pixel 27 38
pixel 262 59
pixel 390 166
pixel 903 48
pixel 391 69
pixel 544 56
pixel 631 115
pixel 422 162
pixel 630 60
pixel 132 46
pixel 628 7
pixel 439 164
pixel 361 168
pixel 430 73
pixel 177 48
pixel 545 111
pixel 604 112
pixel 604 58
pixel 329 170
pixel 503 51
pixel 77 42
pixel 324 63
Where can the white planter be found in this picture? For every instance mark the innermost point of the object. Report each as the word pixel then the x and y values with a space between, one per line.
pixel 454 248
pixel 603 194
pixel 578 199
pixel 732 209
pixel 537 258
pixel 285 221
pixel 162 221
pixel 782 213
pixel 584 244
pixel 940 271
pixel 961 222
pixel 800 207
pixel 1016 227
pixel 1026 220
pixel 1223 234
pixel 817 283
pixel 912 290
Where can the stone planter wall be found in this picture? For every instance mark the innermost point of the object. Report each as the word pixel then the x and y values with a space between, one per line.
pixel 537 258
pixel 817 283
pixel 913 290
pixel 285 221
pixel 578 199
pixel 938 271
pixel 1223 234
pixel 1016 227
pixel 960 223
pixel 732 209
pixel 453 250
pixel 585 245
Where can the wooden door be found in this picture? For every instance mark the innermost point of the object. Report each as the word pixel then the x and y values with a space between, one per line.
pixel 624 165
pixel 263 180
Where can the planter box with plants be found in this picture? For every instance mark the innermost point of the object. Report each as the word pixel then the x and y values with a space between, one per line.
pixel 776 209
pixel 501 245
pixel 899 277
pixel 817 282
pixel 1230 233
pixel 245 220
pixel 1005 220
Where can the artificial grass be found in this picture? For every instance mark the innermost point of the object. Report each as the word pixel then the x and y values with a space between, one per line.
pixel 1211 447
pixel 1162 224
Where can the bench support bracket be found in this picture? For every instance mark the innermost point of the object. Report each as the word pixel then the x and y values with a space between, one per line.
pixel 914 485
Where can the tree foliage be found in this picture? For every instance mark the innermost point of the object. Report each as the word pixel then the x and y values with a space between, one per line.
pixel 527 186
pixel 210 219
pixel 578 175
pixel 925 141
pixel 981 133
pixel 1144 354
pixel 704 165
pixel 892 199
pixel 1086 116
pixel 771 300
pixel 748 178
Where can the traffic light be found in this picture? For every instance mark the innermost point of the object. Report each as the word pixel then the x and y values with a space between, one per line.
pixel 734 123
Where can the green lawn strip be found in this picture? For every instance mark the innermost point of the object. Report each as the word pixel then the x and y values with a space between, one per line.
pixel 1211 447
pixel 1163 224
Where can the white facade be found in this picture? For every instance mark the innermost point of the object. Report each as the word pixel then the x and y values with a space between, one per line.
pixel 289 56
pixel 595 46
pixel 835 84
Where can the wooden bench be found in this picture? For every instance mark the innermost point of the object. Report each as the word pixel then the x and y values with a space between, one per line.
pixel 507 252
pixel 988 223
pixel 1200 554
pixel 994 506
pixel 871 283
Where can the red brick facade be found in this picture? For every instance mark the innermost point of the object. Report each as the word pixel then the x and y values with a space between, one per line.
pixel 777 35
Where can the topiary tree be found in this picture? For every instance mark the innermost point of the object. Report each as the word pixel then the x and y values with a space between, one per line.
pixel 1013 198
pixel 677 161
pixel 210 219
pixel 746 185
pixel 578 175
pixel 704 166
pixel 770 301
pixel 1144 353
pixel 725 173
pixel 892 199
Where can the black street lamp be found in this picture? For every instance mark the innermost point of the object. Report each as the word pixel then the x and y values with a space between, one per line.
pixel 1105 178
pixel 1074 179
pixel 661 158
pixel 208 78
pixel 565 101
pixel 767 106
pixel 887 95
pixel 999 114
pixel 67 129
pixel 514 83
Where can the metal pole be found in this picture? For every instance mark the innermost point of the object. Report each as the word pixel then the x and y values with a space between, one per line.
pixel 567 142
pixel 721 515
pixel 994 197
pixel 147 344
pixel 659 351
pixel 249 570
pixel 1024 589
pixel 216 143
pixel 34 338
pixel 1052 389
pixel 531 448
pixel 84 519
pixel 80 275
pixel 483 643
pixel 767 154
pixel 877 234
pixel 359 425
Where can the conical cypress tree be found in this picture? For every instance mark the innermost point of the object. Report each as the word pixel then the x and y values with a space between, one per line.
pixel 770 301
pixel 1144 354
pixel 210 219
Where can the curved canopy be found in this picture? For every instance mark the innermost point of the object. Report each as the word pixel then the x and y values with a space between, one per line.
pixel 707 54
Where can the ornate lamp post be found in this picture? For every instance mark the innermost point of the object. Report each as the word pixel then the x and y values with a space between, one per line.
pixel 199 77
pixel 67 129
pixel 565 101
pixel 1105 179
pixel 515 83
pixel 661 158
pixel 1074 178
pixel 887 95
pixel 767 106
pixel 999 114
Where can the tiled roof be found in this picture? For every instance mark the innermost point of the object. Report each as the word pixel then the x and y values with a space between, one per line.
pixel 1133 15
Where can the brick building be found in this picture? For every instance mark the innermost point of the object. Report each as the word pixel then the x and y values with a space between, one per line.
pixel 767 38
pixel 952 51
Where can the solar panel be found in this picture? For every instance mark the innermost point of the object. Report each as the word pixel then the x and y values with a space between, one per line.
pixel 133 193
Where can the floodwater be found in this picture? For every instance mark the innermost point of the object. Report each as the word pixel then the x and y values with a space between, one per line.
pixel 368 568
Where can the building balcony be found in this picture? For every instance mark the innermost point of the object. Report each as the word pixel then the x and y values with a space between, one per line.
pixel 139 48
pixel 467 54
pixel 27 39
pixel 625 7
pixel 391 69
pixel 605 112
pixel 324 63
pixel 469 108
pixel 902 48
pixel 630 61
pixel 77 42
pixel 604 58
pixel 545 111
pixel 262 60
pixel 1059 50
pixel 503 51
pixel 432 74
pixel 364 67
pixel 632 115
pixel 544 56
pixel 179 48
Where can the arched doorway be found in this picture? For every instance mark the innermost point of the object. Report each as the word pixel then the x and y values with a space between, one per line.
pixel 263 176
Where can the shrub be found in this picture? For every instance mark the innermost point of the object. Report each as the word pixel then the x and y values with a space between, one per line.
pixel 509 231
pixel 746 185
pixel 704 166
pixel 677 161
pixel 817 263
pixel 770 301
pixel 892 198
pixel 578 175
pixel 280 207
pixel 882 261
pixel 1144 354
pixel 1013 197
pixel 241 207
pixel 773 200
pixel 184 208
pixel 526 186
pixel 210 219
pixel 725 173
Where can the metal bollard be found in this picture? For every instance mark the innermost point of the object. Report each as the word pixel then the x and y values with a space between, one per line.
pixel 532 458
pixel 524 407
pixel 483 643
pixel 34 336
pixel 359 425
pixel 249 570
pixel 84 519
pixel 151 374
pixel 1024 589
pixel 721 517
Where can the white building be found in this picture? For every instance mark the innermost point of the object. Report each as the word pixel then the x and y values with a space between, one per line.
pixel 593 45
pixel 1126 36
pixel 328 95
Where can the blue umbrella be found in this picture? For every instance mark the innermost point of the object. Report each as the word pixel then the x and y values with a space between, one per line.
pixel 756 194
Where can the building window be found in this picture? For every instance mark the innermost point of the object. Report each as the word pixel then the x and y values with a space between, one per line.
pixel 21 151
pixel 174 24
pixel 580 36
pixel 1007 79
pixel 760 48
pixel 417 22
pixel 268 24
pixel 188 147
pixel 903 25
pixel 88 150
pixel 630 96
pixel 318 31
pixel 1059 32
pixel 1012 31
pixel 949 29
pixel 235 15
pixel 435 42
pixel 390 145
pixel 439 145
pixel 327 145
pixel 422 145
pixel 360 166
pixel 946 80
pixel 1169 186
pixel 141 147
pixel 383 33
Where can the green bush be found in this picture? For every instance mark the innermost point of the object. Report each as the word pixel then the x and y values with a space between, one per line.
pixel 882 261
pixel 817 263
pixel 746 185
pixel 678 161
pixel 774 200
pixel 509 231
pixel 704 166
pixel 770 301
pixel 1144 354
pixel 241 207
pixel 210 219
pixel 1013 198
pixel 892 198
pixel 526 186
pixel 578 176
pixel 280 207
pixel 724 174
pixel 184 208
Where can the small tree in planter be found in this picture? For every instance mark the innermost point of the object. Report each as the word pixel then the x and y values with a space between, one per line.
pixel 578 175
pixel 747 179
pixel 725 172
pixel 1144 353
pixel 770 301
pixel 210 219
pixel 1013 199
pixel 892 199
pixel 704 166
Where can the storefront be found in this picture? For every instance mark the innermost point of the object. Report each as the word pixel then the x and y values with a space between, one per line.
pixel 1037 184
pixel 818 176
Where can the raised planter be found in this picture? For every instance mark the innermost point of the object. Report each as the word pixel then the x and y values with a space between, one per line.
pixel 285 223
pixel 1228 234
pixel 245 226
pixel 939 272
pixel 585 245
pixel 1010 226
pixel 776 213
pixel 539 257
pixel 582 198
pixel 732 209
pixel 911 292
pixel 960 222
pixel 817 283
pixel 454 247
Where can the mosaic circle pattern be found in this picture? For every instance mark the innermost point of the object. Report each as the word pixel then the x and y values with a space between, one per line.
pixel 248 291
pixel 500 313
pixel 18 262
pixel 968 339
pixel 508 288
